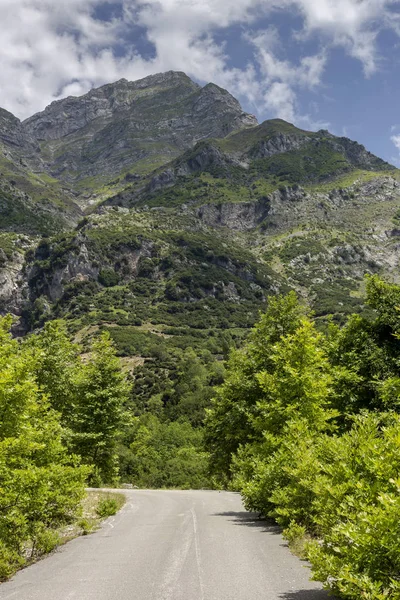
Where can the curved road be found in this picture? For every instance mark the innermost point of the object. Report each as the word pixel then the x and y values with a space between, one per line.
pixel 171 545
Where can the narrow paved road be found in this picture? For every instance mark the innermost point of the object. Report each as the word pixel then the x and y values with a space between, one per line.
pixel 171 545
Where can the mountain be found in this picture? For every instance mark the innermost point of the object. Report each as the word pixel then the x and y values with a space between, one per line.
pixel 30 199
pixel 126 129
pixel 169 215
pixel 253 162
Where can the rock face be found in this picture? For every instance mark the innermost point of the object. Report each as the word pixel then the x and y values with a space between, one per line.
pixel 11 284
pixel 132 124
pixel 64 117
pixel 14 135
pixel 106 139
pixel 147 133
pixel 278 144
pixel 242 216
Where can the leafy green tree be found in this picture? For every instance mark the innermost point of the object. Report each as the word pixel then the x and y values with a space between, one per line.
pixel 232 420
pixel 88 395
pixel 102 390
pixel 297 394
pixel 41 485
pixel 356 510
pixel 164 454
pixel 57 367
pixel 311 455
pixel 298 383
pixel 369 347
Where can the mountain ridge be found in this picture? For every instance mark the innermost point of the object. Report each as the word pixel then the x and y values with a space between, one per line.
pixel 179 223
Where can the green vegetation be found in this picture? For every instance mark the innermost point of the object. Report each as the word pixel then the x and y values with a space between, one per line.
pixel 158 453
pixel 94 508
pixel 109 504
pixel 42 484
pixel 306 426
pixel 20 214
pixel 142 268
pixel 272 156
pixel 60 419
pixel 314 162
pixel 71 418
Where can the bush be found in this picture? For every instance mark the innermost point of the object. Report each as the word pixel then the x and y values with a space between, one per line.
pixel 357 510
pixel 107 508
pixel 45 541
pixel 10 561
pixel 108 278
pixel 109 504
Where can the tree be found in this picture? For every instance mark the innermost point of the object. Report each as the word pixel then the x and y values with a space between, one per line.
pixel 41 484
pixel 56 367
pixel 231 421
pixel 102 390
pixel 297 396
pixel 89 396
pixel 369 347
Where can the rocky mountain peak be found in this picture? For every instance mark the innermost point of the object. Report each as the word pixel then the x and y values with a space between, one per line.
pixel 64 117
pixel 132 126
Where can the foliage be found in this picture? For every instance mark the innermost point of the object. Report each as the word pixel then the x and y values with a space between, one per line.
pixel 101 390
pixel 107 507
pixel 41 483
pixel 232 421
pixel 169 454
pixel 312 456
pixel 108 278
pixel 89 395
pixel 357 509
pixel 370 347
pixel 96 506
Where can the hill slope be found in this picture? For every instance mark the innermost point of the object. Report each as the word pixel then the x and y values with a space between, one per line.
pixel 194 215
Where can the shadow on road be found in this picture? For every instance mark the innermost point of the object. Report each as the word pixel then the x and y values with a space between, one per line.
pixel 249 519
pixel 307 595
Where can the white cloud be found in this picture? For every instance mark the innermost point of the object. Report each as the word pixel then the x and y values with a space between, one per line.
pixel 353 24
pixel 306 74
pixel 281 78
pixel 50 49
pixel 280 99
pixel 396 141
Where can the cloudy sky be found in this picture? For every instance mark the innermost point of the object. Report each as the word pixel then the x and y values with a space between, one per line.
pixel 317 63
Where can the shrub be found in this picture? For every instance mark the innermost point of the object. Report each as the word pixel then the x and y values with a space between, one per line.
pixel 108 278
pixel 327 474
pixel 107 508
pixel 44 542
pixel 108 504
pixel 357 510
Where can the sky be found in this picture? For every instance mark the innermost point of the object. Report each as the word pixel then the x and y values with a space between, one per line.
pixel 320 64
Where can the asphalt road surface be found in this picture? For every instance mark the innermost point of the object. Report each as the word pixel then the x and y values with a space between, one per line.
pixel 171 545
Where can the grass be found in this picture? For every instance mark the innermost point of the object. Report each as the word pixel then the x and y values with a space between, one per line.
pixel 96 506
pixel 356 177
pixel 93 510
pixel 90 520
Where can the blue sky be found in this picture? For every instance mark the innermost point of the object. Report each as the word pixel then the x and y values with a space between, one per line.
pixel 331 64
